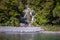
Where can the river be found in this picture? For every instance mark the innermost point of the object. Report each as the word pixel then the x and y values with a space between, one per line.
pixel 29 36
pixel 14 33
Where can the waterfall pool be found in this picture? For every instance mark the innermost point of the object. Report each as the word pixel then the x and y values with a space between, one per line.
pixel 30 36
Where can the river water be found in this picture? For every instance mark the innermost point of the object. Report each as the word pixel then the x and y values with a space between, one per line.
pixel 30 36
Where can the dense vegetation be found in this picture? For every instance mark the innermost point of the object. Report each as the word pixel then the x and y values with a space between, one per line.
pixel 46 11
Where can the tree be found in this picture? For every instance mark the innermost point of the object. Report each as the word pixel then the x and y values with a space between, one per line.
pixel 9 10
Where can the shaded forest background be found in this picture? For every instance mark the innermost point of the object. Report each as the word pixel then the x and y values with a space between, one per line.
pixel 47 12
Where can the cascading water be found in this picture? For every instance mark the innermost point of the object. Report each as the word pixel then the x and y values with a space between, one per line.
pixel 29 15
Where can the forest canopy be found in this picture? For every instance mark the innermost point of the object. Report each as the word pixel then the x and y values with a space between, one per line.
pixel 46 11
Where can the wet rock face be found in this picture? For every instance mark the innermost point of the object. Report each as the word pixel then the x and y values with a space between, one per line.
pixel 28 17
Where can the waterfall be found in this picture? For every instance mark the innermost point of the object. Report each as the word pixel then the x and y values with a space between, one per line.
pixel 29 15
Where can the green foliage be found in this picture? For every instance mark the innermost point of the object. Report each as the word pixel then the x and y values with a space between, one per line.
pixel 41 19
pixel 41 11
pixel 21 6
pixel 56 11
pixel 13 13
pixel 47 11
pixel 56 14
pixel 12 22
pixel 8 13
